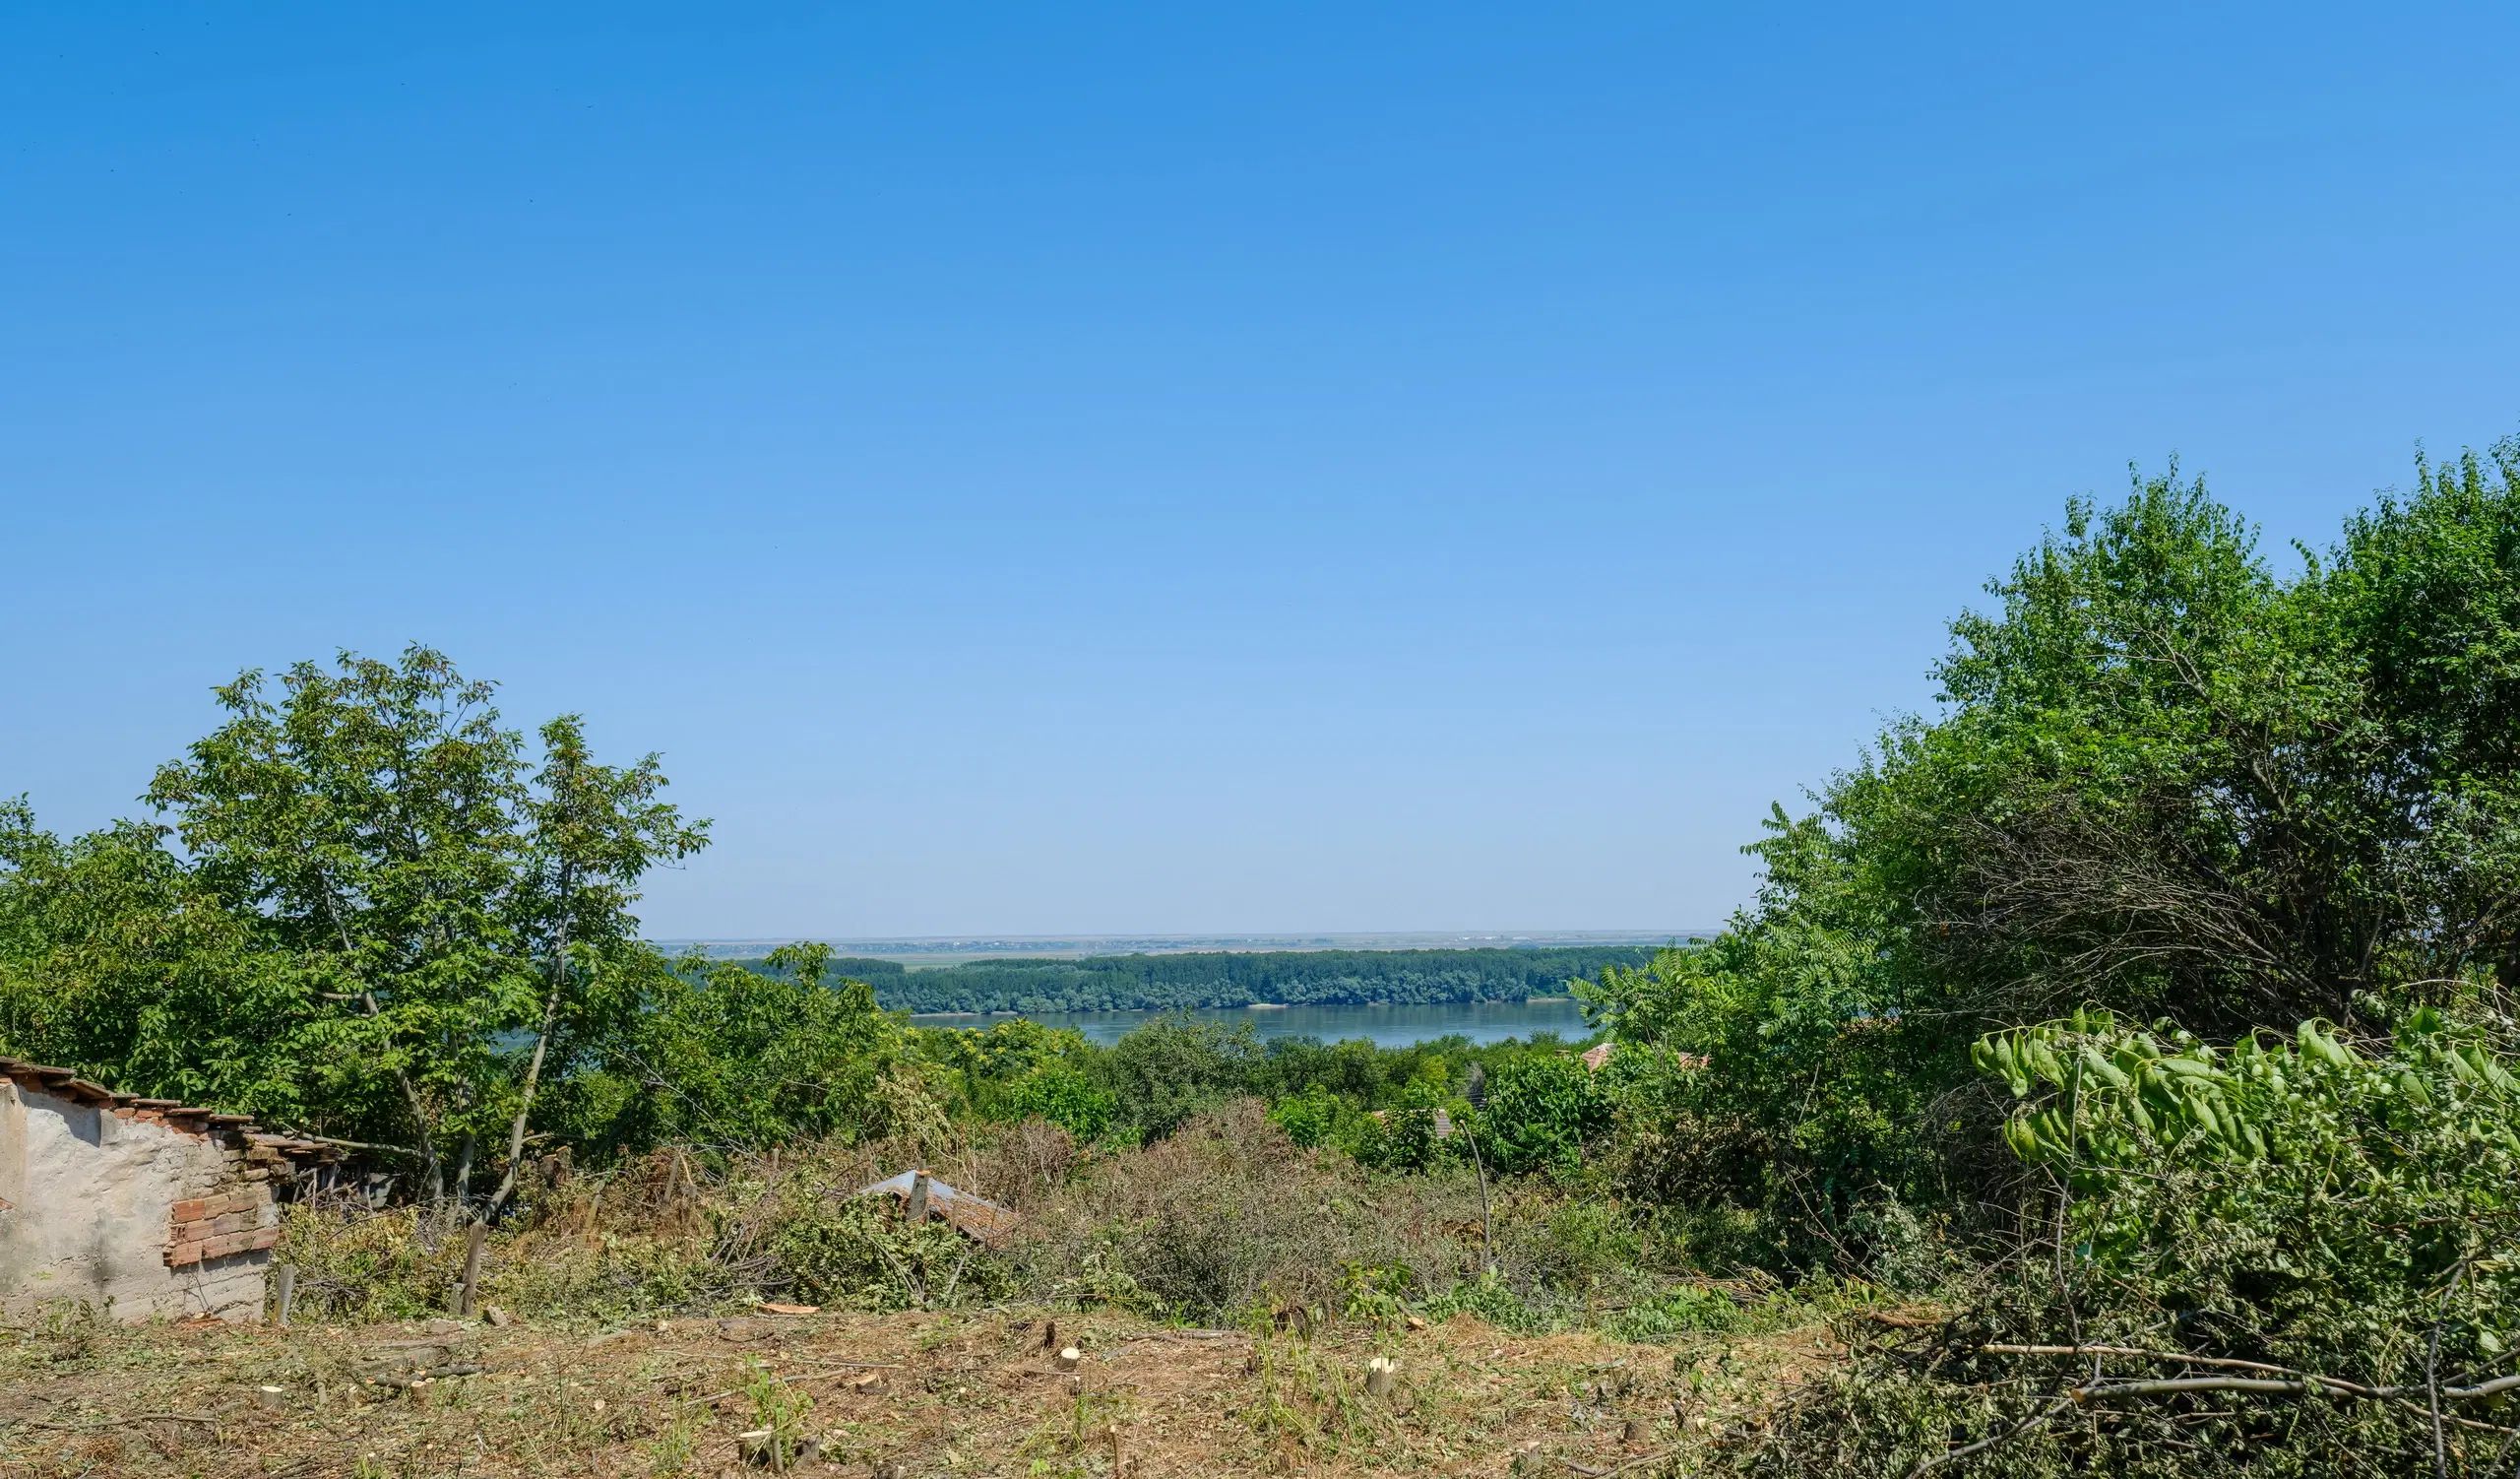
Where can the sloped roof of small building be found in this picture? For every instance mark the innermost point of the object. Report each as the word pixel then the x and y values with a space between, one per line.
pixel 65 1083
pixel 977 1216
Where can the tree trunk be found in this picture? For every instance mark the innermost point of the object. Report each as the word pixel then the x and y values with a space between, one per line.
pixel 541 1044
pixel 465 1299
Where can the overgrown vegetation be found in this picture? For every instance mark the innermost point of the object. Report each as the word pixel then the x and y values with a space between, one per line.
pixel 2133 1036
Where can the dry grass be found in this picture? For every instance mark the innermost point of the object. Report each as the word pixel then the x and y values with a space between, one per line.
pixel 967 1393
pixel 629 1362
pixel 1225 1221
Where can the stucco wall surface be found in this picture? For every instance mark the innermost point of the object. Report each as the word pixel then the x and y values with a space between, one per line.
pixel 93 1193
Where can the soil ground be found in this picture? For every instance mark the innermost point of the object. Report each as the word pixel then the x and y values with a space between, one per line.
pixel 912 1395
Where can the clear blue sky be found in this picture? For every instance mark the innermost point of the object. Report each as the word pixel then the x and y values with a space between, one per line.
pixel 1187 468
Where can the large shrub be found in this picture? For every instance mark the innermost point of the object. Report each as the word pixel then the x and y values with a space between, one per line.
pixel 2278 1228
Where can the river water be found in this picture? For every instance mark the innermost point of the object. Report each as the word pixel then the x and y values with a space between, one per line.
pixel 1385 1026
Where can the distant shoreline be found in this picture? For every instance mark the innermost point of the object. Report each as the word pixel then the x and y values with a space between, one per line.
pixel 931 951
pixel 1258 982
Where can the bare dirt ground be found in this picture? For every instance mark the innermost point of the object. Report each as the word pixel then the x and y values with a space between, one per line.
pixel 892 1397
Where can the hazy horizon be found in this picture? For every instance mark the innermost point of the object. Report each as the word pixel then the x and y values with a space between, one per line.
pixel 955 949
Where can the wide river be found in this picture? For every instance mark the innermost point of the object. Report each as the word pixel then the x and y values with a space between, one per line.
pixel 1387 1026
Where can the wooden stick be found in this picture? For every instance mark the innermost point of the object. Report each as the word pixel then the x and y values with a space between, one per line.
pixel 112 1422
pixel 1616 1468
pixel 471 1269
pixel 2137 1352
pixel 2301 1381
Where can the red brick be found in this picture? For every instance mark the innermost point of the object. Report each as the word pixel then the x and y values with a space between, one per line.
pixel 192 1209
pixel 267 1236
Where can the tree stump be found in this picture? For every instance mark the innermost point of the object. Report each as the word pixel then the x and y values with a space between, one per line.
pixel 1378 1374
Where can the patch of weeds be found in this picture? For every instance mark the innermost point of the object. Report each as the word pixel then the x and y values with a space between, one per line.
pixel 1372 1295
pixel 1097 1284
pixel 1685 1311
pixel 610 1279
pixel 671 1451
pixel 781 1409
pixel 853 1254
pixel 69 1333
pixel 1311 1403
pixel 1491 1298
pixel 367 1267
pixel 1067 1440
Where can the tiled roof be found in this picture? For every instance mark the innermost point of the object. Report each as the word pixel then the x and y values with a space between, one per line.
pixel 984 1220
pixel 65 1083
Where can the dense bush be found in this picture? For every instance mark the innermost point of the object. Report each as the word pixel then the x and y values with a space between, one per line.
pixel 2299 1215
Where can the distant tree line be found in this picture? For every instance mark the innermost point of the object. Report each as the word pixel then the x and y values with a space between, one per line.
pixel 1295 978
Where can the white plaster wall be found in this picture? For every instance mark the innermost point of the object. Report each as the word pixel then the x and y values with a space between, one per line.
pixel 92 1223
pixel 13 1152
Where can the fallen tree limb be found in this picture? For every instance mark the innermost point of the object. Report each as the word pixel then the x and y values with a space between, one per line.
pixel 2138 1353
pixel 112 1422
pixel 1996 1442
pixel 2306 1385
pixel 1620 1467
pixel 2292 1380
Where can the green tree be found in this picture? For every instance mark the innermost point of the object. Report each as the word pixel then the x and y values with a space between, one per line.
pixel 1176 1066
pixel 592 832
pixel 114 961
pixel 722 1056
pixel 1541 1112
pixel 367 817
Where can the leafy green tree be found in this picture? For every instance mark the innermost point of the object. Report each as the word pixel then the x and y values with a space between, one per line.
pixel 2169 781
pixel 725 1056
pixel 2164 780
pixel 1176 1066
pixel 374 900
pixel 1057 1090
pixel 592 831
pixel 1542 1110
pixel 1776 1067
pixel 1308 1118
pixel 114 961
pixel 2424 596
pixel 366 814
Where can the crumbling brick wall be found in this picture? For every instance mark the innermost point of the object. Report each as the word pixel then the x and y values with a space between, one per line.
pixel 209 1228
pixel 133 1206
